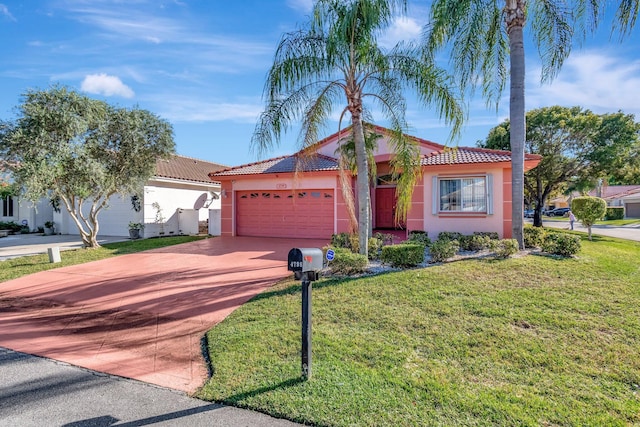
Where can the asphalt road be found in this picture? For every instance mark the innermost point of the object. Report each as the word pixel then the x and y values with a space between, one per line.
pixel 629 232
pixel 41 392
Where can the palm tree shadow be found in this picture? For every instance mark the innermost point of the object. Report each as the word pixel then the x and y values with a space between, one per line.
pixel 238 398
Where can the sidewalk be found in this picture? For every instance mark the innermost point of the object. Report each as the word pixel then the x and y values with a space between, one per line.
pixel 628 232
pixel 17 245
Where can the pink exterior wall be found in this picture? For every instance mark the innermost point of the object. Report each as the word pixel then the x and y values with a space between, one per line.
pixel 467 222
pixel 416 215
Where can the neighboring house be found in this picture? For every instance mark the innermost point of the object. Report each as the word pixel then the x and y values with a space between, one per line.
pixel 179 199
pixel 627 196
pixel 13 209
pixel 464 189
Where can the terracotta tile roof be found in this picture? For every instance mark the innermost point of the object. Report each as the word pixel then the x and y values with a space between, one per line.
pixel 616 191
pixel 467 155
pixel 282 164
pixel 186 168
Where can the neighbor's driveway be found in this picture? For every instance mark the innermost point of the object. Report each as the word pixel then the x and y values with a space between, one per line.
pixel 141 315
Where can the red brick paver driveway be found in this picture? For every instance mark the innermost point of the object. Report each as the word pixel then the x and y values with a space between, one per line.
pixel 142 315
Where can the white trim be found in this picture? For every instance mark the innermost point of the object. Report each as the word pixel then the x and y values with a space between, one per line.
pixel 489 194
pixel 435 204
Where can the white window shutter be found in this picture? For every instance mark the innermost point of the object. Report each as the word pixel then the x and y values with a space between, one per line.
pixel 434 196
pixel 489 194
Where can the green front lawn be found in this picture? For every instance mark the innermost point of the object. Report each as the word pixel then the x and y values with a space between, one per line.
pixel 532 341
pixel 17 267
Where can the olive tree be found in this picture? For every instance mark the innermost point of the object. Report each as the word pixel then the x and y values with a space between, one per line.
pixel 588 210
pixel 80 151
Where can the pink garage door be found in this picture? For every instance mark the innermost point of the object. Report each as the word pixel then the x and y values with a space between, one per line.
pixel 296 214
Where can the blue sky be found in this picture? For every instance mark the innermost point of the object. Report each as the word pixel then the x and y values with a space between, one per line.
pixel 201 65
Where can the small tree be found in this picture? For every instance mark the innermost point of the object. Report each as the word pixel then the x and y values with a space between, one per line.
pixel 81 151
pixel 588 210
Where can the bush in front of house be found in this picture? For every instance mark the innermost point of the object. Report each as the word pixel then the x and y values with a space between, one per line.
pixel 443 249
pixel 614 212
pixel 533 236
pixel 420 237
pixel 341 240
pixel 505 248
pixel 493 235
pixel 474 242
pixel 385 238
pixel 10 225
pixel 346 262
pixel 403 255
pixel 375 246
pixel 561 244
pixel 449 235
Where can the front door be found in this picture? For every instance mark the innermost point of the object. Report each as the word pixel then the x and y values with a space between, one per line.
pixel 385 207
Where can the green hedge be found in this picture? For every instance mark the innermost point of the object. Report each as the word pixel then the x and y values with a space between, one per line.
pixel 419 237
pixel 443 249
pixel 561 244
pixel 10 225
pixel 474 242
pixel 533 236
pixel 346 262
pixel 403 255
pixel 614 212
pixel 505 248
pixel 449 235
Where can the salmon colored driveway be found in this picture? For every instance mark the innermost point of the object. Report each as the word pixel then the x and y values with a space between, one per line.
pixel 141 315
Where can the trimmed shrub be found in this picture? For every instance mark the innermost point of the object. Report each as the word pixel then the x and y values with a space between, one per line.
pixel 474 242
pixel 561 244
pixel 10 225
pixel 341 240
pixel 533 236
pixel 449 235
pixel 346 262
pixel 493 235
pixel 614 212
pixel 588 210
pixel 403 255
pixel 443 249
pixel 505 248
pixel 386 239
pixel 375 246
pixel 420 237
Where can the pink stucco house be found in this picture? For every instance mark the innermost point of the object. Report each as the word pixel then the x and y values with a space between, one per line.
pixel 465 189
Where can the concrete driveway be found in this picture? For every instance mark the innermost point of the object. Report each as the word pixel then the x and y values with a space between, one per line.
pixel 141 315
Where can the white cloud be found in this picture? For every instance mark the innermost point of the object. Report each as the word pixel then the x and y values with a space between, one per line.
pixel 402 29
pixel 597 80
pixel 106 85
pixel 4 11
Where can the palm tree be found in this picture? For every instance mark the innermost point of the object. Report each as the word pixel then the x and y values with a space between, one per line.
pixel 484 34
pixel 336 60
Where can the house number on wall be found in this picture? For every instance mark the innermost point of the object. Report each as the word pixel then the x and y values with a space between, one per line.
pixel 281 186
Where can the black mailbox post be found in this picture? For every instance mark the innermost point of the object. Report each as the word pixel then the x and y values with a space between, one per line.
pixel 306 263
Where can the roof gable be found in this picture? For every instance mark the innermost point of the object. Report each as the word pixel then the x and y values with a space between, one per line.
pixel 186 168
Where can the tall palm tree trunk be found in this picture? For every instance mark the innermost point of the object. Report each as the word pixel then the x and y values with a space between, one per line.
pixel 515 23
pixel 362 182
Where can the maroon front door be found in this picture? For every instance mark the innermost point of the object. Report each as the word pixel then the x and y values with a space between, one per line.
pixel 385 207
